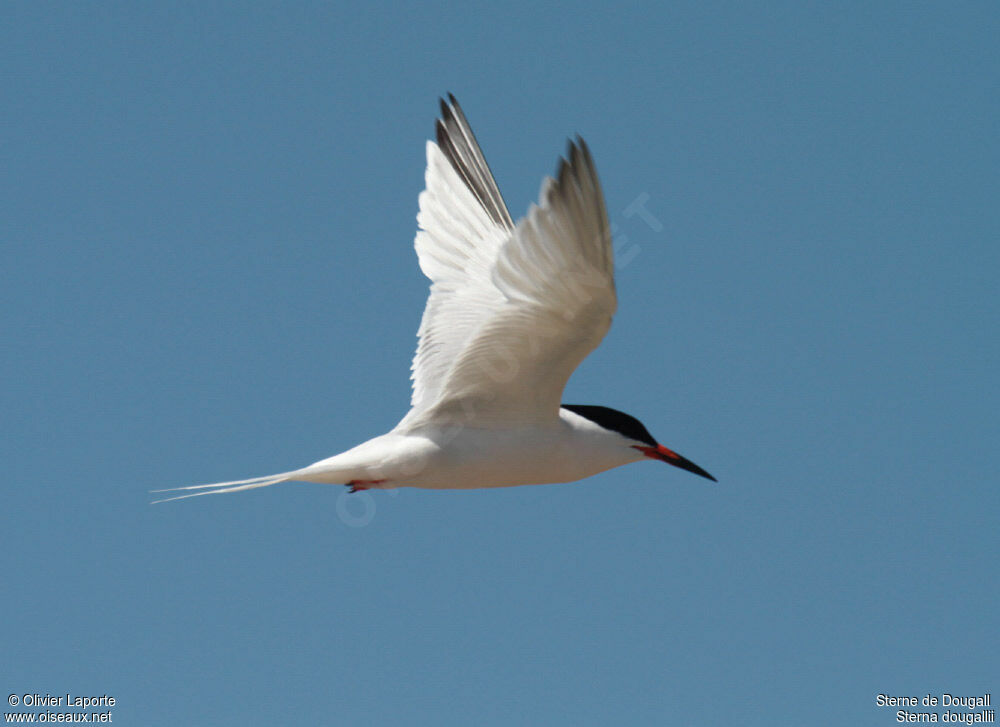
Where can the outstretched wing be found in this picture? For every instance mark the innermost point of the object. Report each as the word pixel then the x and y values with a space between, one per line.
pixel 463 222
pixel 513 310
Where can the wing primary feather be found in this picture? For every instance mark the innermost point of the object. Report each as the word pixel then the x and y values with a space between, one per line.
pixel 445 141
pixel 455 137
pixel 470 166
pixel 480 167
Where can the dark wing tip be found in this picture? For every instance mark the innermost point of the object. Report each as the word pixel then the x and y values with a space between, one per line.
pixel 577 156
pixel 459 145
pixel 562 171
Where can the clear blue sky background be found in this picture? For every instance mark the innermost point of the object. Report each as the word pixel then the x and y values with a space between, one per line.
pixel 207 213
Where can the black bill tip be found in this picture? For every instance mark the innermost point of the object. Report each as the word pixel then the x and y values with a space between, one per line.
pixel 686 464
pixel 669 456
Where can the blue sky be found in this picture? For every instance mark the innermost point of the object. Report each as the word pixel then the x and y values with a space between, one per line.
pixel 206 216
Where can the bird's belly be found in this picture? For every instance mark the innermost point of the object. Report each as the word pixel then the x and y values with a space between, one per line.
pixel 499 461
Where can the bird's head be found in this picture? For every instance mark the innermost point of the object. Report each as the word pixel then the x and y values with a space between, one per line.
pixel 635 435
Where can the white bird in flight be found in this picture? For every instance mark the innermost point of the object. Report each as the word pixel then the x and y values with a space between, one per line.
pixel 513 310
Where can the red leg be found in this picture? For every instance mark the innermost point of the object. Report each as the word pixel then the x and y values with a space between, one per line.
pixel 361 485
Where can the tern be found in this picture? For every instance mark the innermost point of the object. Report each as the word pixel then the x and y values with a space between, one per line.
pixel 513 309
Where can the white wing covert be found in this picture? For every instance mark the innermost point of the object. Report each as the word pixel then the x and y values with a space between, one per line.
pixel 513 310
pixel 463 222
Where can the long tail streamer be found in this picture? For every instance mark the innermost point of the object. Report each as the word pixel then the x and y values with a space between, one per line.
pixel 217 488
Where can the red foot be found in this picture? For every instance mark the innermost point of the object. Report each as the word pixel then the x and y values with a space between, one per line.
pixel 361 485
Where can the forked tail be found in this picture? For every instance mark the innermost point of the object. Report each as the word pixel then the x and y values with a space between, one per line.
pixel 217 488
